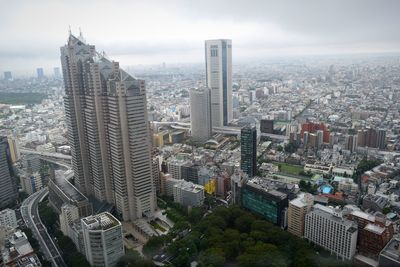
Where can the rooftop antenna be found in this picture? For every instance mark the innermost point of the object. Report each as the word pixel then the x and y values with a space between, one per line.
pixel 81 35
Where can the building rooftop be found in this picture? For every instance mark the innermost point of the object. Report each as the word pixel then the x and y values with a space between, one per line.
pixel 363 215
pixel 377 199
pixel 374 228
pixel 18 247
pixel 266 186
pixel 189 186
pixel 339 179
pixel 71 191
pixel 102 221
pixel 334 214
pixel 5 211
pixel 371 262
pixel 302 200
pixel 392 249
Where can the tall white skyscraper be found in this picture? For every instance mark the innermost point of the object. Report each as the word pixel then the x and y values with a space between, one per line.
pixel 219 79
pixel 108 130
pixel 200 114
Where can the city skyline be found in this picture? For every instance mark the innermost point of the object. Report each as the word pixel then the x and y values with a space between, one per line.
pixel 260 30
pixel 212 133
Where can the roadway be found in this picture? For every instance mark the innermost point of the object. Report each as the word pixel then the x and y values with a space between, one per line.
pixel 45 154
pixel 222 130
pixel 55 158
pixel 30 215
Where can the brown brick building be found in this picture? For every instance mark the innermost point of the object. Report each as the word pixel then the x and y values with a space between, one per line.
pixel 374 232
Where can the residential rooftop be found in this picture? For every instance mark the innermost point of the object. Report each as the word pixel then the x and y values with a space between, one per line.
pixel 392 250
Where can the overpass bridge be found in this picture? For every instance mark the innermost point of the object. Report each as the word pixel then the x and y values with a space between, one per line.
pixel 51 157
pixel 45 154
pixel 222 130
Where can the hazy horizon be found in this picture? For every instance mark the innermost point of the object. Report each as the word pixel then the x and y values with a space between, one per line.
pixel 150 33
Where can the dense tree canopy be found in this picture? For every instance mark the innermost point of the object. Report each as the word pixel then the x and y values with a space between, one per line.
pixel 231 234
pixel 132 258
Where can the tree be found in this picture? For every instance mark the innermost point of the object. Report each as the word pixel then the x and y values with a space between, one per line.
pixel 303 257
pixel 243 223
pixel 48 216
pixel 195 214
pixel 291 147
pixel 152 246
pixel 133 258
pixel 212 257
pixel 70 255
pixel 386 210
pixel 232 234
pixel 308 187
pixel 262 255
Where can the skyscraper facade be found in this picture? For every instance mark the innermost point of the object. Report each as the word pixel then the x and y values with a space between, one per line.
pixel 219 79
pixel 8 188
pixel 200 114
pixel 381 140
pixel 312 127
pixel 370 137
pixel 8 76
pixel 14 149
pixel 40 73
pixel 108 130
pixel 352 143
pixel 57 73
pixel 248 156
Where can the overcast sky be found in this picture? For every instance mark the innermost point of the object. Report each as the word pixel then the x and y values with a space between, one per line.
pixel 152 32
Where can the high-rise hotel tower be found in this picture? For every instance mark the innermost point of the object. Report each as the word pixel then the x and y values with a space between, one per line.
pixel 219 80
pixel 108 130
pixel 200 114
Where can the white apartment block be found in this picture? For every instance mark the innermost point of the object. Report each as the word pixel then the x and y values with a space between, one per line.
pixel 326 227
pixel 103 239
pixel 188 194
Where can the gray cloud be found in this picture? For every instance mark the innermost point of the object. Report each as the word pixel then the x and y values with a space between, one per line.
pixel 155 31
pixel 355 20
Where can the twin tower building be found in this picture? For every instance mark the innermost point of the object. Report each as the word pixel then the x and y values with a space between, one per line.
pixel 108 130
